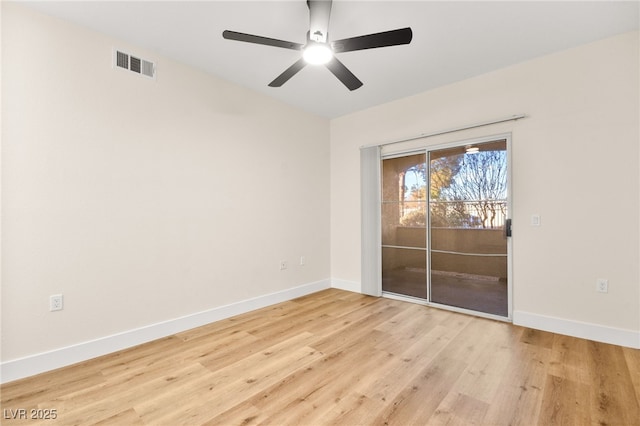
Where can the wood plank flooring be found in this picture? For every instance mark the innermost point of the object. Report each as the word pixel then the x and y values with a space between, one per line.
pixel 336 357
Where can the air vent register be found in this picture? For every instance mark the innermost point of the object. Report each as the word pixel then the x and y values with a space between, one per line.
pixel 134 64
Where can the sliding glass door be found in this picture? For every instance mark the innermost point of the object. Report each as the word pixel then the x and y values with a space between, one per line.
pixel 404 231
pixel 445 226
pixel 468 212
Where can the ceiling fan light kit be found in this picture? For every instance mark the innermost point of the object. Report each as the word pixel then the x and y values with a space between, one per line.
pixel 319 51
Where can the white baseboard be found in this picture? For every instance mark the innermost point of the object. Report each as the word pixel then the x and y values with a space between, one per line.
pixel 353 286
pixel 584 330
pixel 46 361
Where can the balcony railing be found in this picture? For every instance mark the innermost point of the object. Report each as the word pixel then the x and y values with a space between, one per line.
pixel 476 214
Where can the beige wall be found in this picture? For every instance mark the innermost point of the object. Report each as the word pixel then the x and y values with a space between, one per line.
pixel 484 241
pixel 575 162
pixel 143 201
pixel 454 240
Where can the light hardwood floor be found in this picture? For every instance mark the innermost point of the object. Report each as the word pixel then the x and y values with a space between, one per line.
pixel 336 357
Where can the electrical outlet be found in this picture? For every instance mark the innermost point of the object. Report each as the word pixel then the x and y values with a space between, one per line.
pixel 602 285
pixel 302 261
pixel 283 265
pixel 56 302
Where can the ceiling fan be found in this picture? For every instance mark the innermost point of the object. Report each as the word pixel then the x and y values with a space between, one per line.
pixel 319 50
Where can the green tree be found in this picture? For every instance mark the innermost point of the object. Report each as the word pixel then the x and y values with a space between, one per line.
pixel 443 170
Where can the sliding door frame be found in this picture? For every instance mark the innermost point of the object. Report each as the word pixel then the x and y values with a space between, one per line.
pixel 426 149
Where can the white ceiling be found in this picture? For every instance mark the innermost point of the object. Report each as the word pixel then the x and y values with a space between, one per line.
pixel 452 40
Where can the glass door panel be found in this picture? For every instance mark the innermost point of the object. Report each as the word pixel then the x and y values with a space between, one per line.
pixel 468 212
pixel 404 225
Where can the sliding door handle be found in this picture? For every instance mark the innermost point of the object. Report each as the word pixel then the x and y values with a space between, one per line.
pixel 507 228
